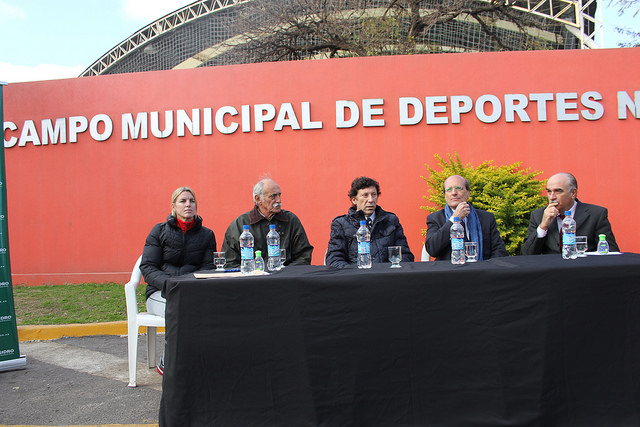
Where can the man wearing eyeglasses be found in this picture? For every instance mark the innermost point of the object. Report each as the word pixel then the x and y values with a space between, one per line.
pixel 480 226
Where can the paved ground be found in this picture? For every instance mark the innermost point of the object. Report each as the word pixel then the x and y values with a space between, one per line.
pixel 80 381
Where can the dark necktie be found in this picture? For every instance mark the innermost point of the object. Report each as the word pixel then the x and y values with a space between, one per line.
pixel 369 224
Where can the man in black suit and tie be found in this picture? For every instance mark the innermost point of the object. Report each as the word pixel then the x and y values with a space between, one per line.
pixel 544 227
pixel 480 226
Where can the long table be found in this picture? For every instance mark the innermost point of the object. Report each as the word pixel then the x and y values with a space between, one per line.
pixel 516 341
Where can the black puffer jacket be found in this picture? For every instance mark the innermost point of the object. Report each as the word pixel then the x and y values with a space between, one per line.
pixel 170 252
pixel 386 231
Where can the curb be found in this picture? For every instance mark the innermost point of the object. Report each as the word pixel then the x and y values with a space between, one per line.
pixel 51 332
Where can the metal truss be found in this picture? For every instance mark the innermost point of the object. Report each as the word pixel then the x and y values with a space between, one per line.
pixel 152 31
pixel 578 16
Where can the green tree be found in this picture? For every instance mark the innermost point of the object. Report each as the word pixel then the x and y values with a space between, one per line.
pixel 510 192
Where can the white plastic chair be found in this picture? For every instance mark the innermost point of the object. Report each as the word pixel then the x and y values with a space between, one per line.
pixel 135 320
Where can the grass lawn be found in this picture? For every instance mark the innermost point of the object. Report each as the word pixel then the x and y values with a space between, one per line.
pixel 81 303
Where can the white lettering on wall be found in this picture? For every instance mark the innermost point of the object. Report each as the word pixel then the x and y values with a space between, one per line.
pixel 263 113
pixel 563 105
pixel 183 121
pixel 516 104
pixel 168 124
pixel 626 103
pixel 286 117
pixel 54 133
pixel 307 123
pixel 489 108
pixel 406 104
pixel 12 141
pixel 222 128
pixel 431 109
pixel 589 100
pixel 367 112
pixel 29 134
pixel 496 109
pixel 246 118
pixel 207 121
pixel 77 124
pixel 341 117
pixel 136 129
pixel 541 100
pixel 94 127
pixel 58 131
pixel 460 105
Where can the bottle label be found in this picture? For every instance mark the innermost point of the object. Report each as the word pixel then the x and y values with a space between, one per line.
pixel 274 250
pixel 568 238
pixel 457 244
pixel 364 248
pixel 246 253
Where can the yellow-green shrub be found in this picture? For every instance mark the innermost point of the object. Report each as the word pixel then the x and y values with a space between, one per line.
pixel 508 191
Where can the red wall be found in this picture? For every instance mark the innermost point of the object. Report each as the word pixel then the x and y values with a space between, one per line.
pixel 81 211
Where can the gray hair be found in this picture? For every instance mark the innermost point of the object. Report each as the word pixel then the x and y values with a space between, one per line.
pixel 573 182
pixel 258 190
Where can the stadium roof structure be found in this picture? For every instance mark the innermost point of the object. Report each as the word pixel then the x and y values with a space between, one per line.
pixel 201 34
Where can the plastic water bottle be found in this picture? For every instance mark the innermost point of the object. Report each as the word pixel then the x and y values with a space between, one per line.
pixel 247 264
pixel 364 246
pixel 569 250
pixel 259 261
pixel 457 242
pixel 603 245
pixel 273 247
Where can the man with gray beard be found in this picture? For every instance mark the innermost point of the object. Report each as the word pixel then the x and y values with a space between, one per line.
pixel 268 210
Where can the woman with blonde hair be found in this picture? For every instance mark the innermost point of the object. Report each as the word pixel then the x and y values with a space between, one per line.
pixel 178 246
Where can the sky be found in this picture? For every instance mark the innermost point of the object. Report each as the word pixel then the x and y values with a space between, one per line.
pixel 53 39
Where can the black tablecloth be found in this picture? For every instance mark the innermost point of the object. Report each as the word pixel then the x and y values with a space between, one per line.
pixel 517 341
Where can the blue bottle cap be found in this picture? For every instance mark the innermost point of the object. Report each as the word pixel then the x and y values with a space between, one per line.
pixel 456 218
pixel 272 226
pixel 363 222
pixel 567 213
pixel 245 227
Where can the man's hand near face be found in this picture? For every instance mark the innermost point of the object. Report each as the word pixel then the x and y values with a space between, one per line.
pixel 550 214
pixel 462 210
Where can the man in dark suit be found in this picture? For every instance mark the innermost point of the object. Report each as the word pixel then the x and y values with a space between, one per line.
pixel 543 234
pixel 480 226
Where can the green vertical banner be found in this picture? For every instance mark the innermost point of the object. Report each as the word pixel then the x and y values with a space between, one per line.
pixel 9 350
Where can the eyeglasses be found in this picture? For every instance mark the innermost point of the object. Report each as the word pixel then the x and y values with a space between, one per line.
pixel 457 188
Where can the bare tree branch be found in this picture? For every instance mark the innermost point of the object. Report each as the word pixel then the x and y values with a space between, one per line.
pixel 274 30
pixel 626 7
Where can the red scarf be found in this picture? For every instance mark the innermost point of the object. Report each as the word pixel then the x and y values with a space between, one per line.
pixel 184 226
